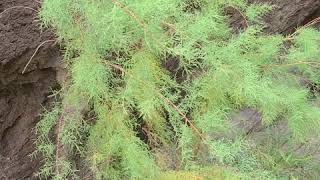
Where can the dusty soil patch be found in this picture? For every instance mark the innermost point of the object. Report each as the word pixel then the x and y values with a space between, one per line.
pixel 22 95
pixel 286 15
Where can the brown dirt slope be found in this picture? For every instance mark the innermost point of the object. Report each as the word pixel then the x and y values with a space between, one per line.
pixel 22 96
pixel 286 15
pixel 292 14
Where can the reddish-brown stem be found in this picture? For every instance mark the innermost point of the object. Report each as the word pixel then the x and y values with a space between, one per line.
pixel 58 142
pixel 15 7
pixel 312 22
pixel 168 101
pixel 187 121
pixel 242 15
pixel 310 63
pixel 137 19
pixel 35 52
pixel 129 12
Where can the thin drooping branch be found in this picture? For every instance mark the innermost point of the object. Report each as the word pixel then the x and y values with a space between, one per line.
pixel 129 12
pixel 35 52
pixel 165 99
pixel 312 22
pixel 310 63
pixel 187 121
pixel 141 23
pixel 15 7
pixel 59 145
pixel 241 14
pixel 168 101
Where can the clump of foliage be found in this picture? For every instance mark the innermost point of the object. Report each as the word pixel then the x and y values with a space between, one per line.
pixel 152 122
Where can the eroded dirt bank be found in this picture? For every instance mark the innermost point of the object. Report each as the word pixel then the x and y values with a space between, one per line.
pixel 23 96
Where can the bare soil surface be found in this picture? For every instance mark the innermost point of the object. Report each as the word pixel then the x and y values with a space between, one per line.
pixel 24 96
pixel 287 15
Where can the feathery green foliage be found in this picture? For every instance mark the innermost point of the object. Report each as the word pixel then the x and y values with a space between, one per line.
pixel 44 145
pixel 117 52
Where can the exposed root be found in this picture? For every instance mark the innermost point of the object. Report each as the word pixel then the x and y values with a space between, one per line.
pixel 15 7
pixel 246 23
pixel 35 52
pixel 313 22
pixel 165 99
